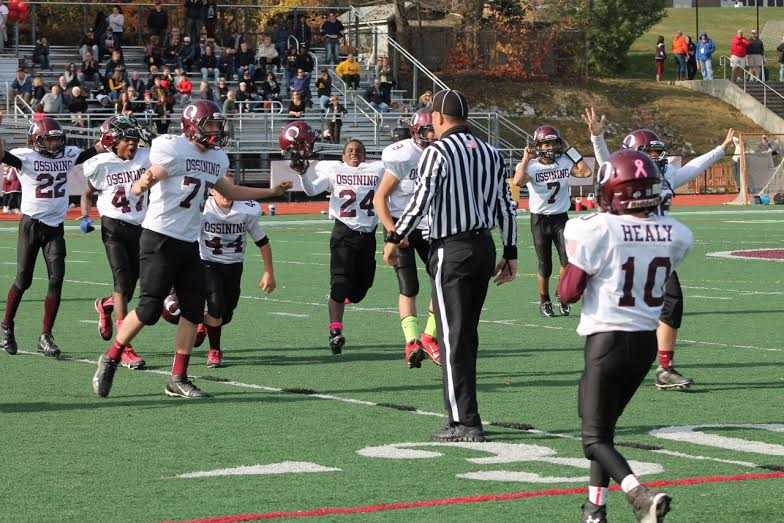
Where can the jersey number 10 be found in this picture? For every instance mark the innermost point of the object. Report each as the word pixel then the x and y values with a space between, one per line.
pixel 627 300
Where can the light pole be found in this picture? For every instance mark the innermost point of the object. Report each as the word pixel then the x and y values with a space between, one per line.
pixel 697 18
pixel 756 4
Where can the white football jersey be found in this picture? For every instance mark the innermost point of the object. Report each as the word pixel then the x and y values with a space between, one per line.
pixel 351 191
pixel 628 260
pixel 44 184
pixel 175 204
pixel 548 187
pixel 401 160
pixel 113 177
pixel 223 233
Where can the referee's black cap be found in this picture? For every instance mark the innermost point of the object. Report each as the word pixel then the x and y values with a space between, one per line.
pixel 451 103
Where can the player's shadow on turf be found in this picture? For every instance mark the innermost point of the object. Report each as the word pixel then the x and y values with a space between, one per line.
pixel 127 400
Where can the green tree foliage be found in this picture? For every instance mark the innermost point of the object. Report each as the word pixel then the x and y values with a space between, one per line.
pixel 612 27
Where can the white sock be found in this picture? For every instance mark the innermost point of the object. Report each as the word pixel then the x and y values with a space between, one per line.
pixel 630 483
pixel 597 495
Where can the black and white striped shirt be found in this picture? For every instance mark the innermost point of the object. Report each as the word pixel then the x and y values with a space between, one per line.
pixel 463 187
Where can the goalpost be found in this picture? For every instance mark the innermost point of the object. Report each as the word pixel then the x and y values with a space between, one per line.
pixel 758 164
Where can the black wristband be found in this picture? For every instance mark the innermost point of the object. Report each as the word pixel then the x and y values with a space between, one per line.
pixel 510 252
pixel 393 237
pixel 262 242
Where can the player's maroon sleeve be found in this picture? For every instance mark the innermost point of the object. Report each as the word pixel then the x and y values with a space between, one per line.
pixel 572 284
pixel 12 160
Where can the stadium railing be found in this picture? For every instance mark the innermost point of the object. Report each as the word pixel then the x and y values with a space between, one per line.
pixel 751 82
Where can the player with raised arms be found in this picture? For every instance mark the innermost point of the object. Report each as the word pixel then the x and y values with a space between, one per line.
pixel 546 169
pixel 401 174
pixel 183 170
pixel 645 140
pixel 111 175
pixel 619 261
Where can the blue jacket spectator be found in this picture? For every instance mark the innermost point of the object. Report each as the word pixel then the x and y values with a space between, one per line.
pixel 22 85
pixel 705 50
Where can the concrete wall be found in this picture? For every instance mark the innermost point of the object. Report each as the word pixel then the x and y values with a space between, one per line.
pixel 730 93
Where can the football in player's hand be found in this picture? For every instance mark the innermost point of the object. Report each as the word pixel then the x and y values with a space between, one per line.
pixel 171 309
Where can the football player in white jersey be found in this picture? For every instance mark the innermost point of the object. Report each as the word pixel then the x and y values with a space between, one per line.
pixel 222 247
pixel 43 170
pixel 352 184
pixel 619 261
pixel 183 170
pixel 111 175
pixel 546 170
pixel 667 377
pixel 401 174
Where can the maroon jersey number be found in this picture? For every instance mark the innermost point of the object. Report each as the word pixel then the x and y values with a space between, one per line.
pixel 52 186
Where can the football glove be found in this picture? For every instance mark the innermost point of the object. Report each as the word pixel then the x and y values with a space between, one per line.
pixel 86 225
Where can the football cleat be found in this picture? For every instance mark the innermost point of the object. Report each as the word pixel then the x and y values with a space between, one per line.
pixel 9 338
pixel 201 333
pixel 460 433
pixel 414 354
pixel 671 379
pixel 214 358
pixel 104 319
pixel 104 375
pixel 47 346
pixel 131 359
pixel 336 341
pixel 565 308
pixel 431 348
pixel 593 513
pixel 546 309
pixel 650 506
pixel 182 387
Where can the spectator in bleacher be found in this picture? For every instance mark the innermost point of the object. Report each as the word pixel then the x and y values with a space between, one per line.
pixel 246 59
pixel 297 105
pixel 375 97
pixel 248 79
pixel 324 88
pixel 65 92
pixel 89 44
pixel 291 64
pixel 22 85
pixel 193 18
pixel 162 112
pixel 385 76
pixel 281 39
pixel 171 52
pixel 116 85
pixel 114 62
pixel 211 17
pixel 227 64
pixel 222 90
pixel 348 70
pixel 184 89
pixel 680 50
pixel 123 105
pixel 39 90
pixel 71 75
pixel 3 24
pixel 136 83
pixel 302 31
pixel 332 31
pixel 233 39
pixel 89 71
pixel 208 65
pixel 271 88
pixel 305 60
pixel 705 50
pixel 77 107
pixel 116 26
pixel 137 106
pixel 153 53
pixel 266 54
pixel 41 53
pixel 158 21
pixel 738 54
pixel 755 55
pixel 157 88
pixel 206 92
pixel 230 103
pixel 53 101
pixel 301 84
pixel 333 116
pixel 691 59
pixel 188 56
pixel 100 27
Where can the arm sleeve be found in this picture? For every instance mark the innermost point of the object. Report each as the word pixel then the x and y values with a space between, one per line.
pixel 391 165
pixel 600 149
pixel 85 155
pixel 696 167
pixel 254 229
pixel 586 243
pixel 12 160
pixel 164 154
pixel 507 214
pixel 685 241
pixel 319 181
pixel 431 166
pixel 91 170
pixel 572 284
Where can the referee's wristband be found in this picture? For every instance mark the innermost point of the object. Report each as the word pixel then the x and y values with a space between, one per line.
pixel 574 155
pixel 393 237
pixel 510 252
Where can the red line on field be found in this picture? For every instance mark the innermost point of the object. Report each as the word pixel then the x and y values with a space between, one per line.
pixel 508 496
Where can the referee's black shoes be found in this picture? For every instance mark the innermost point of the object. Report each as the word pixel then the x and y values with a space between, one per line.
pixel 459 432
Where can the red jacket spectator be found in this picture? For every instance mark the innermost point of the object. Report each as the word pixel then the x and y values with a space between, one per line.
pixel 11 181
pixel 738 46
pixel 185 86
pixel 680 45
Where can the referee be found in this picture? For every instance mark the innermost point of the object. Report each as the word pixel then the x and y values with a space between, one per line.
pixel 462 186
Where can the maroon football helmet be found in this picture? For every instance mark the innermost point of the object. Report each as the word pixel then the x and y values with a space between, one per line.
pixel 297 140
pixel 119 127
pixel 628 182
pixel 548 133
pixel 648 142
pixel 421 125
pixel 195 119
pixel 46 137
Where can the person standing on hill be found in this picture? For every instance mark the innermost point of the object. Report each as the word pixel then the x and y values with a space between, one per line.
pixel 705 50
pixel 755 55
pixel 680 48
pixel 661 57
pixel 738 54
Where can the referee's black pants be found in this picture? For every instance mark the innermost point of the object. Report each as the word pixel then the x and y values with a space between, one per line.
pixel 460 267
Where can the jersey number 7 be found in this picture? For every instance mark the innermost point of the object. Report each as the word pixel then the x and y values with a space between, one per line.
pixel 196 183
